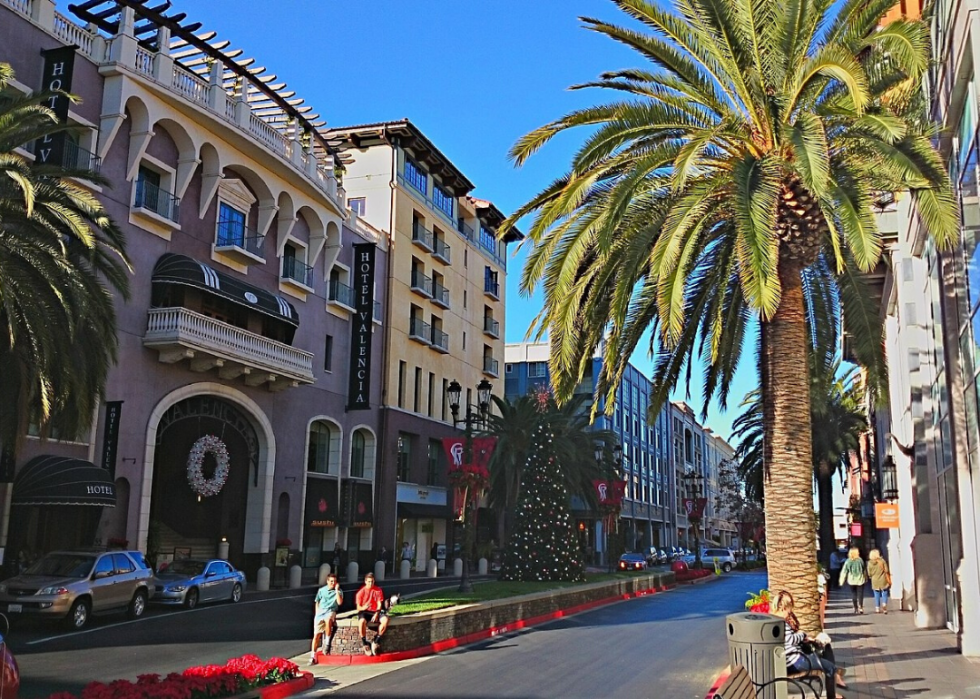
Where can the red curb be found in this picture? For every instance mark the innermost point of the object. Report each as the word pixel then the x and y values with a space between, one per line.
pixel 718 682
pixel 287 689
pixel 450 643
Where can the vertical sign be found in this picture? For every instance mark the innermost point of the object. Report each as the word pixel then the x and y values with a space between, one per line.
pixel 110 436
pixel 6 465
pixel 358 396
pixel 59 64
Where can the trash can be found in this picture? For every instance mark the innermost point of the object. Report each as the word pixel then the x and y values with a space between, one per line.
pixel 751 640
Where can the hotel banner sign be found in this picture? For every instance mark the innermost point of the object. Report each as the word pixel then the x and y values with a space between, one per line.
pixel 110 435
pixel 362 329
pixel 59 65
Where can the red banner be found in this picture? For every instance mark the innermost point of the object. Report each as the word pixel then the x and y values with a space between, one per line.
pixel 694 507
pixel 610 492
pixel 455 448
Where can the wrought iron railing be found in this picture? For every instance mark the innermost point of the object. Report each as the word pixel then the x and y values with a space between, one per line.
pixel 422 236
pixel 418 329
pixel 491 366
pixel 160 202
pixel 440 340
pixel 440 294
pixel 492 287
pixel 297 271
pixel 341 293
pixel 441 250
pixel 422 283
pixel 233 233
pixel 491 326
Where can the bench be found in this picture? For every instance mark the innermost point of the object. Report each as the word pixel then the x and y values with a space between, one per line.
pixel 740 685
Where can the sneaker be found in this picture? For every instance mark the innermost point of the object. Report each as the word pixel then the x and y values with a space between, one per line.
pixel 367 649
pixel 313 659
pixel 326 651
pixel 861 610
pixel 375 647
pixel 877 610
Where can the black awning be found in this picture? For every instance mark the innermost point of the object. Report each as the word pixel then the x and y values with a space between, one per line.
pixel 415 510
pixel 56 480
pixel 172 268
pixel 322 509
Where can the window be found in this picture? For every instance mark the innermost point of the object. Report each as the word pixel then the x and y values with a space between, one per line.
pixel 487 239
pixel 231 226
pixel 490 284
pixel 464 298
pixel 435 452
pixel 432 391
pixel 328 353
pixel 357 455
pixel 318 454
pixel 442 199
pixel 404 455
pixel 294 267
pixel 357 205
pixel 416 405
pixel 445 390
pixel 464 339
pixel 536 370
pixel 508 368
pixel 122 564
pixel 104 568
pixel 415 176
pixel 401 384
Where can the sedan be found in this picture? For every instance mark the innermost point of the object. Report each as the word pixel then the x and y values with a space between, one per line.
pixel 632 561
pixel 190 581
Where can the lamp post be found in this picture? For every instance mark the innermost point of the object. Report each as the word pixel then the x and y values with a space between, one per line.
pixel 476 417
pixel 693 482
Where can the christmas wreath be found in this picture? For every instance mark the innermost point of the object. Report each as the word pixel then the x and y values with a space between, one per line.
pixel 207 487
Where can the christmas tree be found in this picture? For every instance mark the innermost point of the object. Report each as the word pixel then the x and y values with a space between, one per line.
pixel 543 545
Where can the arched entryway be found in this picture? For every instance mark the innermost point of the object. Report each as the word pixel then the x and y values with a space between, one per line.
pixel 205 460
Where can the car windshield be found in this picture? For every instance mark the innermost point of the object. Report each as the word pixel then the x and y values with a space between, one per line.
pixel 186 567
pixel 63 565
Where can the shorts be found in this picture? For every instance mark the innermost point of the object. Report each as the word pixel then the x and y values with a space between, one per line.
pixel 368 616
pixel 321 621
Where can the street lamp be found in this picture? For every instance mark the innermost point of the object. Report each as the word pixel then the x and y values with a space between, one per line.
pixel 476 416
pixel 693 482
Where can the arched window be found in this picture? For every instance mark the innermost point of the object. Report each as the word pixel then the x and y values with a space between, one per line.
pixel 357 455
pixel 319 457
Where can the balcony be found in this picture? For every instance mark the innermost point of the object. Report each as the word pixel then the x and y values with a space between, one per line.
pixel 421 284
pixel 151 198
pixel 440 294
pixel 466 231
pixel 422 237
pixel 440 341
pixel 420 331
pixel 491 327
pixel 441 251
pixel 77 158
pixel 180 333
pixel 491 287
pixel 340 294
pixel 237 240
pixel 491 367
pixel 297 273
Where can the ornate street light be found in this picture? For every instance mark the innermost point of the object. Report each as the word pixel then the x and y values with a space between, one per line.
pixel 693 482
pixel 476 417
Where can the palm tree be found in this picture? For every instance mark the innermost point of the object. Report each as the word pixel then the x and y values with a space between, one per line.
pixel 61 257
pixel 574 441
pixel 747 152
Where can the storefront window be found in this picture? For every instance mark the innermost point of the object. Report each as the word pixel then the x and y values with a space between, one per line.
pixel 318 455
pixel 357 455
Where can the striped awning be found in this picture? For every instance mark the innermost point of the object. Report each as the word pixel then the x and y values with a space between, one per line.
pixel 58 480
pixel 172 268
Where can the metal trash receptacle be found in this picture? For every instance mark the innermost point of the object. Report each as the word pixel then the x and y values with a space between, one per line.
pixel 751 640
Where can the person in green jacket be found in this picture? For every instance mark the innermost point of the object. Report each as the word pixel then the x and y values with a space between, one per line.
pixel 881 580
pixel 853 574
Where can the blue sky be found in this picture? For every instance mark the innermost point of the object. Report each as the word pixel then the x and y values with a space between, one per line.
pixel 474 76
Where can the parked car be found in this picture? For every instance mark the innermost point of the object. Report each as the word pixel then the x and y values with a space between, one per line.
pixel 191 581
pixel 632 561
pixel 726 559
pixel 75 585
pixel 9 672
pixel 652 556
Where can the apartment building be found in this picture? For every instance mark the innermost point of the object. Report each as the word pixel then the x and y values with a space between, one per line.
pixel 443 324
pixel 230 416
pixel 648 510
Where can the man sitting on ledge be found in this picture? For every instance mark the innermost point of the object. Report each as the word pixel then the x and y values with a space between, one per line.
pixel 370 609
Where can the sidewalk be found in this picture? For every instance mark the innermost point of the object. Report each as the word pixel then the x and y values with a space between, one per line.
pixel 887 657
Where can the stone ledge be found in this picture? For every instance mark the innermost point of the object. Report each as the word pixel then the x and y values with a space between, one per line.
pixel 431 632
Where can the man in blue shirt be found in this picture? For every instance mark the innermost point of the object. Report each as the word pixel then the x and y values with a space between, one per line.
pixel 326 604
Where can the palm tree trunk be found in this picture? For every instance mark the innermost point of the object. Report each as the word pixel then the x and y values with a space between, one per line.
pixel 790 526
pixel 825 498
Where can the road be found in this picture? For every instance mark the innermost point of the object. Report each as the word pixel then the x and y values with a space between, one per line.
pixel 52 659
pixel 667 645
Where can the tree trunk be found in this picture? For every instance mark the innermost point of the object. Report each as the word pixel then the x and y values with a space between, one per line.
pixel 825 498
pixel 790 525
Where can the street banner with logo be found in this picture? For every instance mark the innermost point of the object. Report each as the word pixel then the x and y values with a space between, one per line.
pixel 610 493
pixel 886 515
pixel 322 508
pixel 362 329
pixel 694 507
pixel 455 448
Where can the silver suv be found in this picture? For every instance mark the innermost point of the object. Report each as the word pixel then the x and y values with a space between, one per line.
pixel 725 558
pixel 73 586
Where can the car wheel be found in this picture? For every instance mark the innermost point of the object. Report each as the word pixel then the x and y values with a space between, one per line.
pixel 236 593
pixel 138 605
pixel 727 567
pixel 191 598
pixel 79 614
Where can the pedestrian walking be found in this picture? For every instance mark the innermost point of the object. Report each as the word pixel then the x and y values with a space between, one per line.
pixel 881 580
pixel 854 575
pixel 836 563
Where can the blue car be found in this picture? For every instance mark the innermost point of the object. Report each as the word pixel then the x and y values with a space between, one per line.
pixel 190 581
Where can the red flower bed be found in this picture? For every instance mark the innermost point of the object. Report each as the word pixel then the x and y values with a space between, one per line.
pixel 692 574
pixel 236 676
